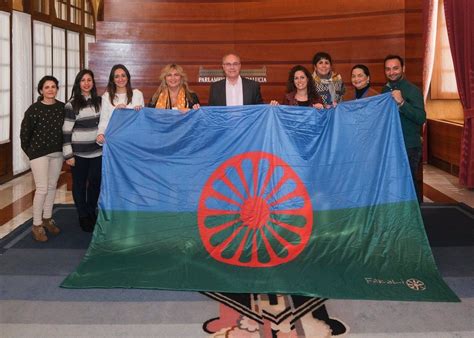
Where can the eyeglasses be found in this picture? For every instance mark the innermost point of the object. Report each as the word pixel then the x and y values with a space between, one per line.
pixel 228 65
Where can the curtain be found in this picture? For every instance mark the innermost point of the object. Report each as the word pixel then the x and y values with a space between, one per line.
pixel 87 39
pixel 5 65
pixel 22 83
pixel 430 21
pixel 42 56
pixel 73 59
pixel 59 61
pixel 460 26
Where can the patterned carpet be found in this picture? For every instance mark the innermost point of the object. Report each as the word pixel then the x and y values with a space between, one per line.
pixel 32 304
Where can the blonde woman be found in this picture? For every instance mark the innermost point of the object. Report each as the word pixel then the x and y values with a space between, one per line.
pixel 174 92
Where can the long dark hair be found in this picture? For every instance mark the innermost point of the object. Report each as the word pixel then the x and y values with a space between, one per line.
pixel 42 82
pixel 112 88
pixel 311 87
pixel 78 100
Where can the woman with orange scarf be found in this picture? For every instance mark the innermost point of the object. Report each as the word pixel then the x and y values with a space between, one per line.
pixel 174 92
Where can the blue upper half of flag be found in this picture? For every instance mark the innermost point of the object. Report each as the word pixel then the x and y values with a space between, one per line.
pixel 345 157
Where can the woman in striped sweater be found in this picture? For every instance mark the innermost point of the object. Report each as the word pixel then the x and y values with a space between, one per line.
pixel 82 153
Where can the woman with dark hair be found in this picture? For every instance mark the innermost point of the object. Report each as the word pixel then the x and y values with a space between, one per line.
pixel 80 149
pixel 329 85
pixel 174 92
pixel 300 89
pixel 119 94
pixel 360 78
pixel 41 139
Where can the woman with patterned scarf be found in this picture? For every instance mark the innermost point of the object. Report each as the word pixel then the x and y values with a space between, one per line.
pixel 329 85
pixel 174 92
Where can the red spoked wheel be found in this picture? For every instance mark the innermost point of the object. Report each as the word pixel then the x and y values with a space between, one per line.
pixel 254 211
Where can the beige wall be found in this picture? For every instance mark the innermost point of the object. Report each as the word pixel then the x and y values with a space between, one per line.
pixel 96 4
pixel 444 110
pixel 18 5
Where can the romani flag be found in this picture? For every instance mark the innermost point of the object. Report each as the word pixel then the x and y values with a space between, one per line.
pixel 261 199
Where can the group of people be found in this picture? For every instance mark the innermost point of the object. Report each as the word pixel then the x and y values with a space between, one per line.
pixel 324 88
pixel 52 132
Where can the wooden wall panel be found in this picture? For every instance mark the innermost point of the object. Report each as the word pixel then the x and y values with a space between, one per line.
pixel 413 23
pixel 6 163
pixel 289 31
pixel 444 140
pixel 414 5
pixel 250 53
pixel 224 11
pixel 147 34
pixel 414 48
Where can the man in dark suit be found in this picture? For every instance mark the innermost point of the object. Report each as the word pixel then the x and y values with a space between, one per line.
pixel 234 90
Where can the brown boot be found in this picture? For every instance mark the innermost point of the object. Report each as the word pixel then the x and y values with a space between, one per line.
pixel 38 233
pixel 50 225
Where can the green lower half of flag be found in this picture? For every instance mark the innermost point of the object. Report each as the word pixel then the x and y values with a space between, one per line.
pixel 379 252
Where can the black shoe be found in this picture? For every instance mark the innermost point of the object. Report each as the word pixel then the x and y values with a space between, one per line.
pixel 93 220
pixel 337 327
pixel 93 217
pixel 86 224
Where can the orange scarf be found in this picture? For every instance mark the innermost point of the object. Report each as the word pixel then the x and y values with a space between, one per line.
pixel 164 100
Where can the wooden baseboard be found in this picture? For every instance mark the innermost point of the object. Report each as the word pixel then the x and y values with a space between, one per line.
pixel 436 195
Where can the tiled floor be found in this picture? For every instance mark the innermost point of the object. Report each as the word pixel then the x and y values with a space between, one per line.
pixel 16 196
pixel 16 199
pixel 447 184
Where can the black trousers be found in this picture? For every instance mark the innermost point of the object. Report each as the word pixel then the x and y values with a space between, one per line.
pixel 414 158
pixel 86 177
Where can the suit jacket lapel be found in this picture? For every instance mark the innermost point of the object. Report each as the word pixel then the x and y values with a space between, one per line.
pixel 222 92
pixel 245 92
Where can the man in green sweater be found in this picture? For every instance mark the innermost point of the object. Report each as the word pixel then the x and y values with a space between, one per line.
pixel 412 110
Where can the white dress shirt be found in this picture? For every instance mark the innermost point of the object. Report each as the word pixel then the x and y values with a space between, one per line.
pixel 234 93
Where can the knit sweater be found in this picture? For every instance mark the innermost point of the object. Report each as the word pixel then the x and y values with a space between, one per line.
pixel 412 112
pixel 80 132
pixel 41 129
